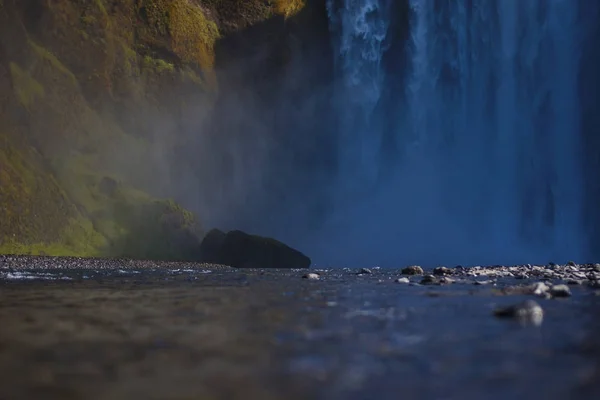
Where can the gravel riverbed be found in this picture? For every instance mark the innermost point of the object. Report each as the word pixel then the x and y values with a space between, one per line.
pixel 119 329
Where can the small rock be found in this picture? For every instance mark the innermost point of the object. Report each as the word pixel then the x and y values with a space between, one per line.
pixel 539 288
pixel 597 267
pixel 429 280
pixel 571 264
pixel 402 280
pixel 527 311
pixel 574 282
pixel 482 283
pixel 560 291
pixel 366 271
pixel 413 270
pixel 442 271
pixel 312 276
pixel 446 280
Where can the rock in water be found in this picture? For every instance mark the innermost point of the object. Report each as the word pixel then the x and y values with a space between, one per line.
pixel 311 277
pixel 442 271
pixel 241 250
pixel 528 312
pixel 402 280
pixel 429 280
pixel 413 270
pixel 560 291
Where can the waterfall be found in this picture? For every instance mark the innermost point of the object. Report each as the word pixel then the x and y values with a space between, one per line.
pixel 490 171
pixel 360 29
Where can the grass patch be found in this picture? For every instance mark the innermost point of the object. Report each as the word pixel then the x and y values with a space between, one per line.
pixel 26 88
pixel 134 224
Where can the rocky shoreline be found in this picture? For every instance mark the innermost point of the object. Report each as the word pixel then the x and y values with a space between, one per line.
pixel 519 279
pixel 42 263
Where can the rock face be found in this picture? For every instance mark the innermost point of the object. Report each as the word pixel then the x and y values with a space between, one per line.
pixel 241 250
pixel 90 90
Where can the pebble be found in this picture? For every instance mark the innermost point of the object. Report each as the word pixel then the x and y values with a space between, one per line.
pixel 429 280
pixel 442 271
pixel 597 267
pixel 413 270
pixel 402 280
pixel 528 311
pixel 560 291
pixel 539 289
pixel 574 282
pixel 482 283
pixel 365 271
pixel 312 276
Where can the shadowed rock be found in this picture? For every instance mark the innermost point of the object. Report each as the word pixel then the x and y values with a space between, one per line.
pixel 241 250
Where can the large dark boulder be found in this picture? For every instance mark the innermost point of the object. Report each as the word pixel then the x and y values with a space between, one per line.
pixel 210 248
pixel 241 250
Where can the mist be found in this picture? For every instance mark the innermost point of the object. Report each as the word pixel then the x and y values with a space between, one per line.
pixel 382 136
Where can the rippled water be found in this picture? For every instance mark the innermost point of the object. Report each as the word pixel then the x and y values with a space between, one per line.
pixel 183 333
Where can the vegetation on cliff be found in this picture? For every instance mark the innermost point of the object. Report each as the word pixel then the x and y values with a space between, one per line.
pixel 88 91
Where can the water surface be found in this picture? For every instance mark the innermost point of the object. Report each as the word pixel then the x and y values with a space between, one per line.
pixel 215 333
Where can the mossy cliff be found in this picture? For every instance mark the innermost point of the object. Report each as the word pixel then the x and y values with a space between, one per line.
pixel 94 97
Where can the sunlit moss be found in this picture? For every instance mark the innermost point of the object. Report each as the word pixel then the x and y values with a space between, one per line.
pixel 158 65
pixel 78 239
pixel 193 35
pixel 289 7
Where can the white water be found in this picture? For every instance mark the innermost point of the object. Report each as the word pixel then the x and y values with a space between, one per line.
pixel 490 171
pixel 360 29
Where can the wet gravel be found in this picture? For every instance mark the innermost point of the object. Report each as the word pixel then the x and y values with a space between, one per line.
pixel 119 329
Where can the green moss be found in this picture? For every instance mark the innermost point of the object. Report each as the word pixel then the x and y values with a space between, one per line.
pixel 129 59
pixel 289 7
pixel 27 89
pixel 101 7
pixel 158 65
pixel 192 34
pixel 188 75
pixel 51 59
pixel 78 239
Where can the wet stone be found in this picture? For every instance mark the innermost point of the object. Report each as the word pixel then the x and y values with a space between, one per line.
pixel 311 276
pixel 560 291
pixel 413 270
pixel 429 280
pixel 402 280
pixel 442 271
pixel 539 288
pixel 528 311
pixel 365 271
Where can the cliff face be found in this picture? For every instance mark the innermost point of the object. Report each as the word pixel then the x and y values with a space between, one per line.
pixel 103 105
